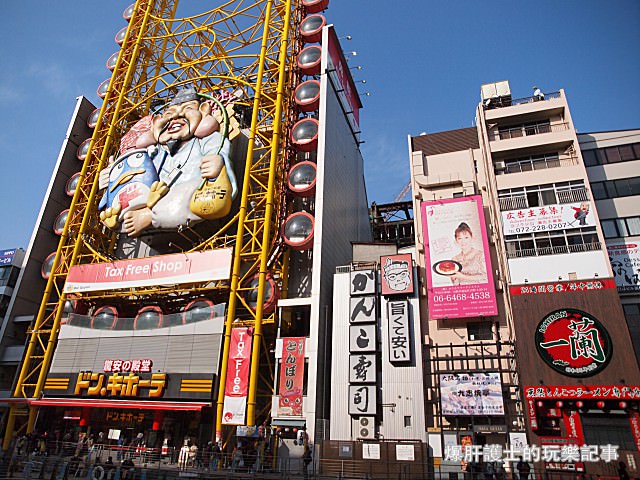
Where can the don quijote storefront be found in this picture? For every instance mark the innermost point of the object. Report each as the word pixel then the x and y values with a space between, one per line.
pixel 580 379
pixel 140 378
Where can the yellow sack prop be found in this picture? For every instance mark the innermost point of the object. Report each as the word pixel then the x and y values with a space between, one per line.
pixel 213 198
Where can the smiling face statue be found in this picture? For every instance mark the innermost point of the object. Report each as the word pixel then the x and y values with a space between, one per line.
pixel 178 123
pixel 397 275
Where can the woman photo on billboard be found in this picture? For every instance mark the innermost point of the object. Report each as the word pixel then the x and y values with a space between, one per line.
pixel 471 259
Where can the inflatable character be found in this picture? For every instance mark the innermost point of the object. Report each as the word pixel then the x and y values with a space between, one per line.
pixel 133 183
pixel 195 178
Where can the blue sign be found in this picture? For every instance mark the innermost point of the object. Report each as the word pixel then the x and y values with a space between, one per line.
pixel 6 256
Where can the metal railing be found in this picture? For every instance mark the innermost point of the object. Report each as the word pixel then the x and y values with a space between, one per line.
pixel 502 102
pixel 563 196
pixel 528 130
pixel 552 250
pixel 537 164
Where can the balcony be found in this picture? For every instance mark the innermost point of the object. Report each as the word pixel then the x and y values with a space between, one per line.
pixel 503 102
pixel 563 196
pixel 527 130
pixel 541 163
pixel 554 250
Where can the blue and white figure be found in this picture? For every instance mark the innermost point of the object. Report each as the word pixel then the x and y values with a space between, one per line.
pixel 131 179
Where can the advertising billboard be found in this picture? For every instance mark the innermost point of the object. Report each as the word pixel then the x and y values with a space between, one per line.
pixel 471 394
pixel 458 266
pixel 625 263
pixel 142 272
pixel 237 387
pixel 6 256
pixel 397 274
pixel 547 218
pixel 105 356
pixel 291 376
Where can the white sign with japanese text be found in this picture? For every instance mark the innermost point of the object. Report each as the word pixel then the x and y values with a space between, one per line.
pixel 362 338
pixel 363 282
pixel 547 218
pixel 362 368
pixel 362 309
pixel 471 394
pixel 399 336
pixel 362 400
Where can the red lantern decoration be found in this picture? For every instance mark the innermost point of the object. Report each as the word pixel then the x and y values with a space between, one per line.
pixel 559 404
pixel 600 404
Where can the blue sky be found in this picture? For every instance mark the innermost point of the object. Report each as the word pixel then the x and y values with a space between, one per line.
pixel 423 62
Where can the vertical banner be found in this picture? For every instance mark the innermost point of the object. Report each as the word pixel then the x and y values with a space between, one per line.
pixel 291 377
pixel 237 386
pixel 397 274
pixel 573 426
pixel 457 261
pixel 634 419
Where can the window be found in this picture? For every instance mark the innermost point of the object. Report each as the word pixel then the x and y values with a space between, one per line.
pixel 599 193
pixel 620 227
pixel 619 153
pixel 479 331
pixel 407 421
pixel 591 158
pixel 622 187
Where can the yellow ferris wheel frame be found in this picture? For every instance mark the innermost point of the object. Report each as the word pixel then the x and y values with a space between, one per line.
pixel 246 46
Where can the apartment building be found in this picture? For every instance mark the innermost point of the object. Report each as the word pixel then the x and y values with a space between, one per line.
pixel 519 303
pixel 613 165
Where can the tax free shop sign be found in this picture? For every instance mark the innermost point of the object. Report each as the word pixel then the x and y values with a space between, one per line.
pixel 143 272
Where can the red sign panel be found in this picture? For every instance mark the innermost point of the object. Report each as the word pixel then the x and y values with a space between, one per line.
pixel 143 272
pixel 291 377
pixel 237 385
pixel 397 274
pixel 562 287
pixel 457 259
pixel 343 74
pixel 634 418
pixel 573 426
pixel 592 392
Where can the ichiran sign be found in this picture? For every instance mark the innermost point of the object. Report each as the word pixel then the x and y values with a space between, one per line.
pixel 573 343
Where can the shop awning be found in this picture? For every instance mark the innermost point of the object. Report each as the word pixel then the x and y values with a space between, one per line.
pixel 133 404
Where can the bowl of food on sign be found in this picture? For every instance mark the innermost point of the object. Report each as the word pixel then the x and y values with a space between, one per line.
pixel 447 267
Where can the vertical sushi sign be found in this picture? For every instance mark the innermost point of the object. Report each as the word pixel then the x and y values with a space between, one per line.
pixel 458 266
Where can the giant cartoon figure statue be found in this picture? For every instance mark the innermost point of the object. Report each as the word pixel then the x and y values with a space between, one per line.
pixel 191 177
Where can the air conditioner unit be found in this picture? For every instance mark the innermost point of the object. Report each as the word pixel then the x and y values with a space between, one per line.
pixel 500 165
pixel 364 427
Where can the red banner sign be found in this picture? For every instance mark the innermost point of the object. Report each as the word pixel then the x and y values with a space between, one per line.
pixel 592 392
pixel 291 377
pixel 634 418
pixel 573 426
pixel 237 385
pixel 562 287
pixel 143 272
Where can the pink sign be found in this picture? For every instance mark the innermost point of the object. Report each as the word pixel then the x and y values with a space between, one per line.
pixel 459 280
pixel 291 376
pixel 143 272
pixel 237 385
